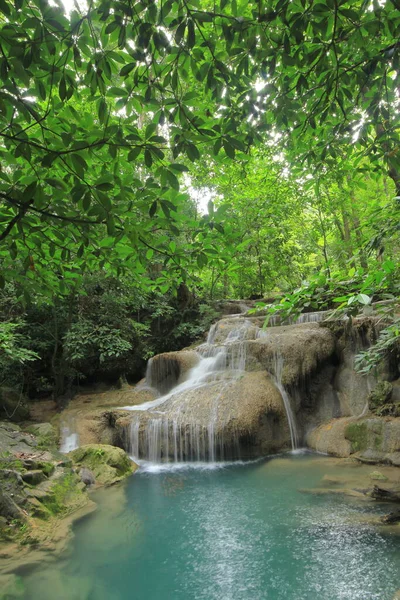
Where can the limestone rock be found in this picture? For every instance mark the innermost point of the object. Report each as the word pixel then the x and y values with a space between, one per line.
pixel 108 464
pixel 302 347
pixel 329 438
pixel 87 476
pixel 165 370
pixel 45 433
pixel 34 477
pixel 370 439
pixel 248 411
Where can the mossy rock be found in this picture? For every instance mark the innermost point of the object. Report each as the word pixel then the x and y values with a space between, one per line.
pixel 108 464
pixel 377 476
pixel 365 434
pixel 61 494
pixel 46 434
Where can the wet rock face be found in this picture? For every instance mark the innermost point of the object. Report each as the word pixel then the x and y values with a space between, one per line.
pixel 302 347
pixel 165 370
pixel 222 419
pixel 243 383
pixel 370 440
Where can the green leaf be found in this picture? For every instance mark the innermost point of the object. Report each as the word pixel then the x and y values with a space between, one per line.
pixel 153 209
pixel 178 167
pixel 134 153
pixel 127 69
pixel 229 149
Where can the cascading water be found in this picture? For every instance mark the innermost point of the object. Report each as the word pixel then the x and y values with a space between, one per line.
pixel 168 428
pixel 278 370
pixel 69 436
pixel 156 436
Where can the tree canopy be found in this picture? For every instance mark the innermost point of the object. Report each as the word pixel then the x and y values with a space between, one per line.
pixel 105 109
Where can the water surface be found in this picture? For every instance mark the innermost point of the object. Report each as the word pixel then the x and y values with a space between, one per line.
pixel 235 533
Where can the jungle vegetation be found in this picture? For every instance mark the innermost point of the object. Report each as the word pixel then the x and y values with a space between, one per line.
pixel 116 117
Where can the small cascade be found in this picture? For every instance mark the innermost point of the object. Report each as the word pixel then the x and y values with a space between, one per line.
pixel 163 439
pixel 155 436
pixel 69 437
pixel 313 317
pixel 278 364
pixel 307 317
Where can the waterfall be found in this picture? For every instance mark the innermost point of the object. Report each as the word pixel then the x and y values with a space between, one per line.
pixel 188 420
pixel 164 439
pixel 69 436
pixel 313 317
pixel 278 364
pixel 155 436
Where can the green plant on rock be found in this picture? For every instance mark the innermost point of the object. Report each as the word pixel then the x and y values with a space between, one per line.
pixel 387 345
pixel 380 402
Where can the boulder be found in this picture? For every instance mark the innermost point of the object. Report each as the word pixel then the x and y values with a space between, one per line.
pixel 9 508
pixel 369 439
pixel 45 433
pixel 34 477
pixel 87 476
pixel 108 464
pixel 329 438
pixel 14 441
pixel 300 348
pixel 247 411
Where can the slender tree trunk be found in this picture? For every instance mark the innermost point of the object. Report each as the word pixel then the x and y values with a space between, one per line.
pixel 357 229
pixel 325 245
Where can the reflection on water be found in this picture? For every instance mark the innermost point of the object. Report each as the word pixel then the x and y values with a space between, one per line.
pixel 233 533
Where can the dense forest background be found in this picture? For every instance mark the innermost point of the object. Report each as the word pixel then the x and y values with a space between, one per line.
pixel 157 156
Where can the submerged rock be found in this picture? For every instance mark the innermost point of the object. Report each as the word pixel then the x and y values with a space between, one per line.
pixel 376 475
pixel 107 464
pixel 11 587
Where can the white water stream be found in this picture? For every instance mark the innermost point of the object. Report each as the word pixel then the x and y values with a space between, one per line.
pixel 160 437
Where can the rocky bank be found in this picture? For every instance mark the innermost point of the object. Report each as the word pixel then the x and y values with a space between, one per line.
pixel 42 491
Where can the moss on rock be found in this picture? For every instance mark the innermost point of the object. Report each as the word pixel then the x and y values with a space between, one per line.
pixel 357 434
pixel 46 435
pixel 108 464
pixel 365 435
